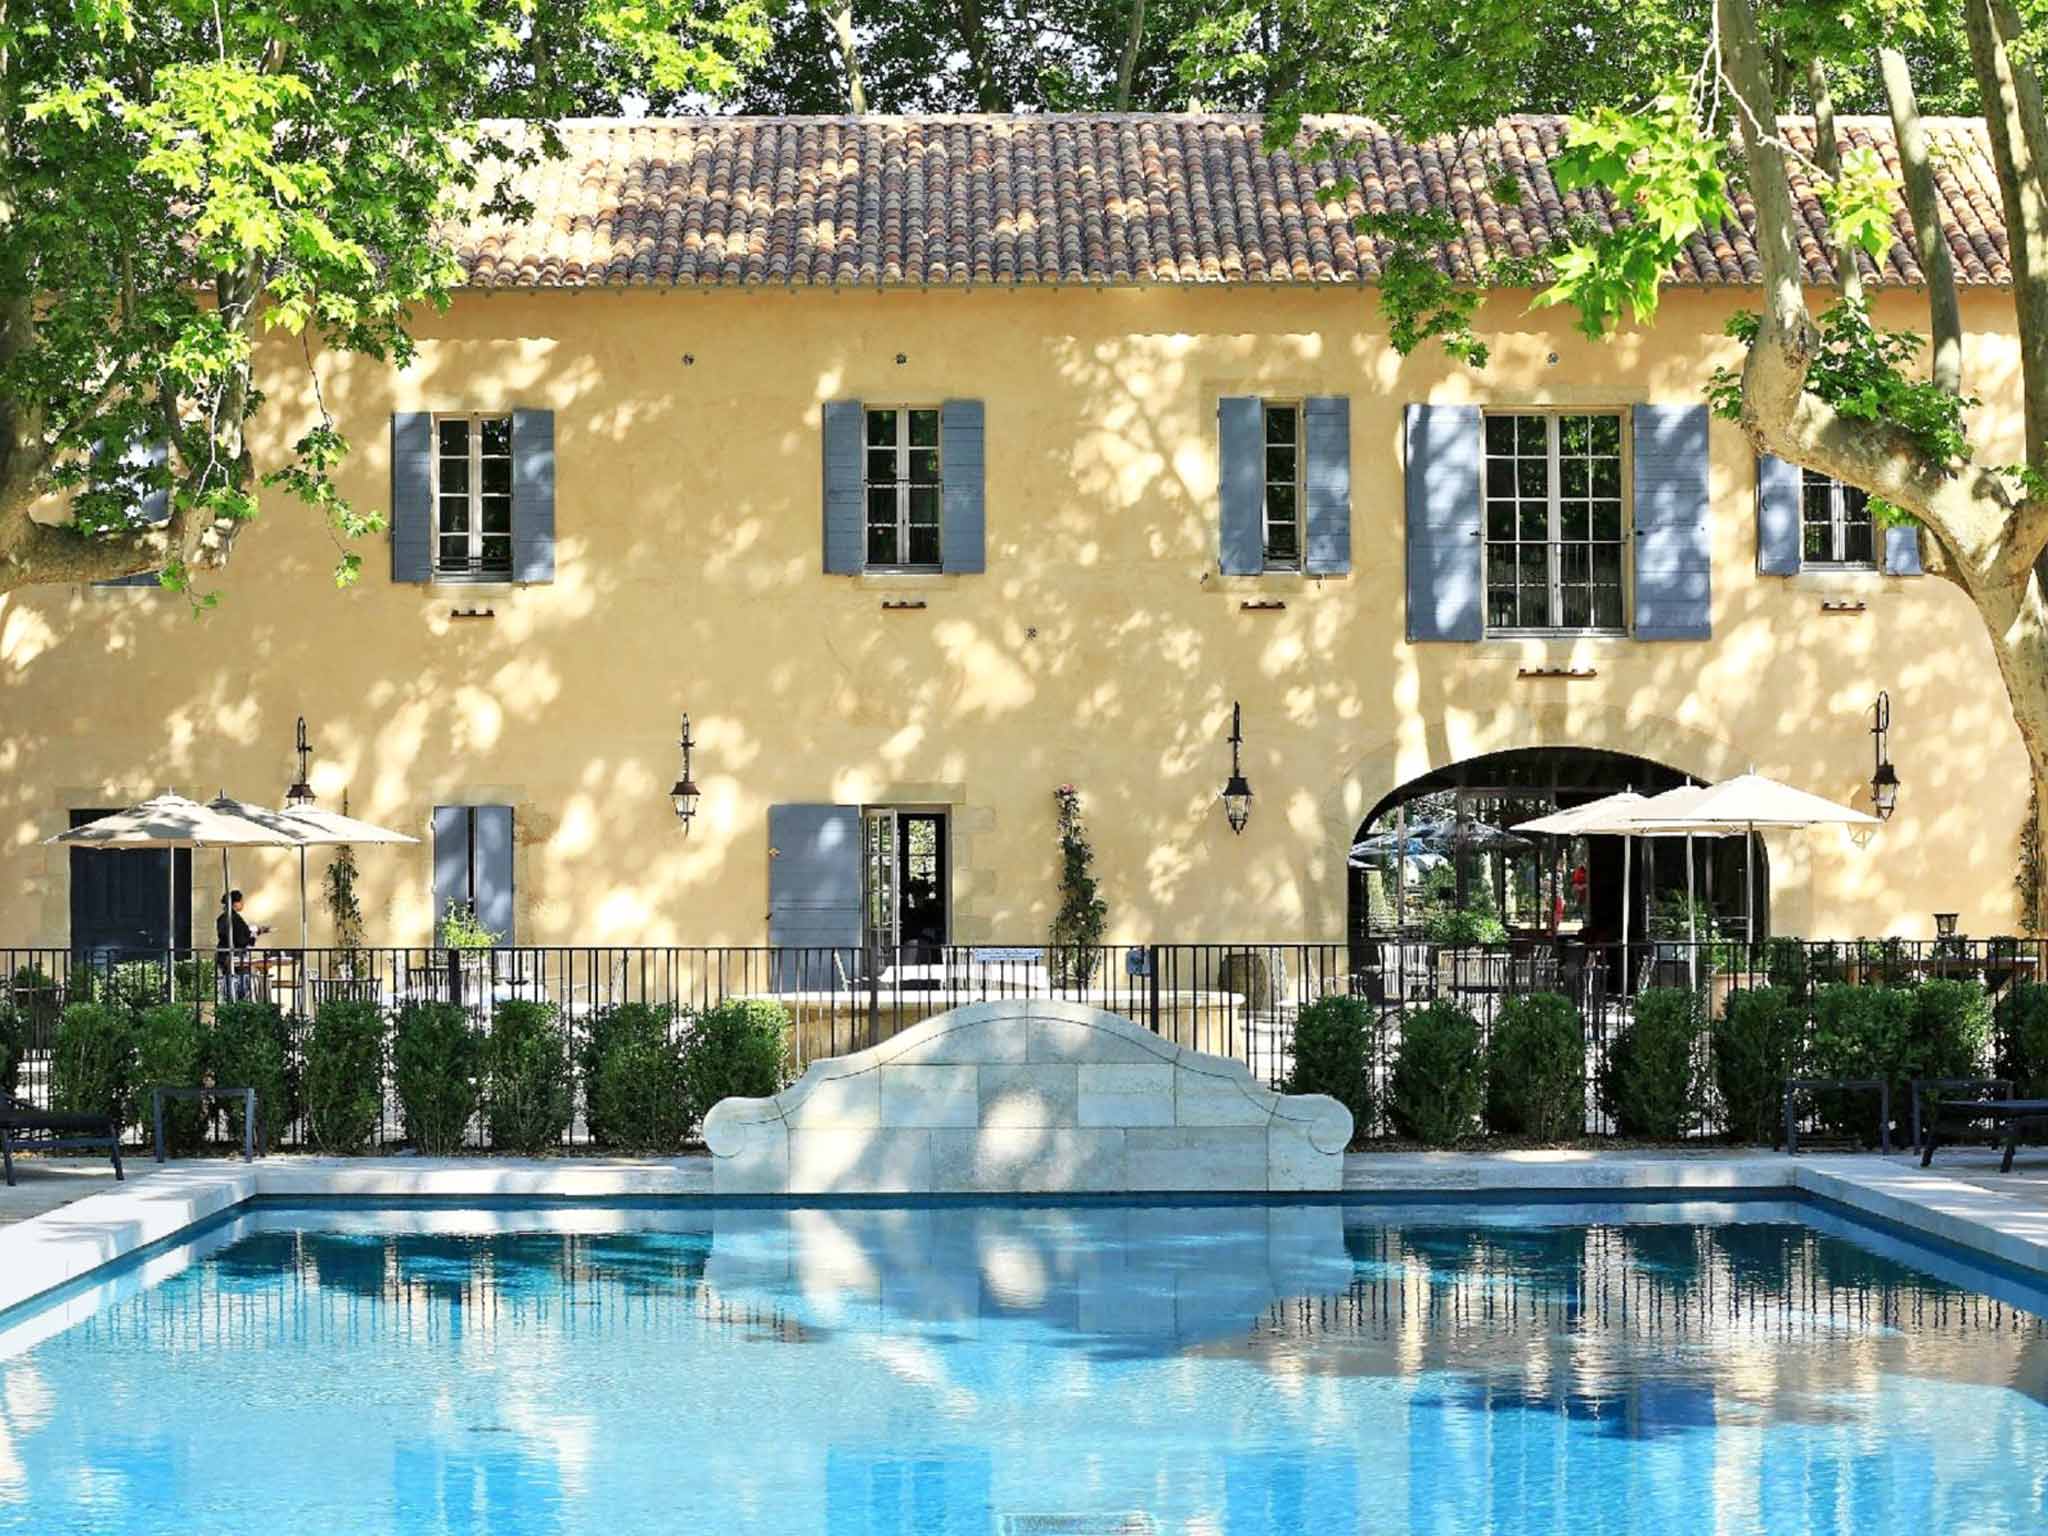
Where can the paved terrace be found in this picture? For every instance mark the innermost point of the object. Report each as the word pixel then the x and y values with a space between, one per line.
pixel 67 1217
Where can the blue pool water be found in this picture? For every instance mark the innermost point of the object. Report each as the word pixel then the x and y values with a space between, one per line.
pixel 1032 1370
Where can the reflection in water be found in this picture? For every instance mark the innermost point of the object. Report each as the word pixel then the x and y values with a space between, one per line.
pixel 1229 1367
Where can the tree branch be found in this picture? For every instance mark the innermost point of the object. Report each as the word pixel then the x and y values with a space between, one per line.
pixel 1127 68
pixel 1848 268
pixel 1930 244
pixel 839 16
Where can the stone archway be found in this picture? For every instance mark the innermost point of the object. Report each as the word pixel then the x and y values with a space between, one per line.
pixel 1422 745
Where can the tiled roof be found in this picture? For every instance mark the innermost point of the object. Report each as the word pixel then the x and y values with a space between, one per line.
pixel 1167 198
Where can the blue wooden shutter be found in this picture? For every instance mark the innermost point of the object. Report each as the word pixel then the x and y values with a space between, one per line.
pixel 490 870
pixel 963 536
pixel 533 495
pixel 1444 444
pixel 1902 551
pixel 152 509
pixel 814 892
pixel 1674 554
pixel 412 498
pixel 451 860
pixel 1241 484
pixel 845 519
pixel 1326 437
pixel 1779 496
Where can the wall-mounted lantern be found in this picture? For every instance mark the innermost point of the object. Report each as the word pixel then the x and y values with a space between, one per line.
pixel 300 795
pixel 684 795
pixel 1237 794
pixel 1884 779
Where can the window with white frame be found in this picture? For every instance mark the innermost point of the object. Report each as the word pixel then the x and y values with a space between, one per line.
pixel 1281 536
pixel 901 476
pixel 1556 538
pixel 1835 525
pixel 473 497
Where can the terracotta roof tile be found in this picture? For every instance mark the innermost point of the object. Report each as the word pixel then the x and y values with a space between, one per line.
pixel 1107 199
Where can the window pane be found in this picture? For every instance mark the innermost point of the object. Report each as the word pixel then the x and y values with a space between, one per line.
pixel 1535 520
pixel 924 466
pixel 1535 608
pixel 497 435
pixel 1500 434
pixel 1280 504
pixel 1859 544
pixel 1574 520
pixel 454 554
pixel 882 504
pixel 881 544
pixel 1282 544
pixel 1607 478
pixel 1607 434
pixel 497 514
pixel 1574 564
pixel 924 546
pixel 1532 435
pixel 1578 607
pixel 1532 478
pixel 1280 424
pixel 1500 477
pixel 455 438
pixel 924 429
pixel 1500 519
pixel 497 477
pixel 1607 606
pixel 497 553
pixel 1535 567
pixel 1500 586
pixel 454 514
pixel 1574 477
pixel 454 475
pixel 881 429
pixel 882 467
pixel 1280 464
pixel 924 505
pixel 1606 519
pixel 1817 542
pixel 1574 435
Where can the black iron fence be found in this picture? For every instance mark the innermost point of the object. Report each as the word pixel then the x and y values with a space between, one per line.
pixel 1238 1000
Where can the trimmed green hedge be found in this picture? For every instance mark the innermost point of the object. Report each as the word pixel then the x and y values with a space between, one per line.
pixel 1335 1039
pixel 738 1049
pixel 1536 1068
pixel 529 1101
pixel 436 1057
pixel 248 1047
pixel 633 1087
pixel 1650 1080
pixel 344 1075
pixel 92 1064
pixel 14 1028
pixel 1438 1083
pixel 170 1041
pixel 1756 1046
pixel 2023 1037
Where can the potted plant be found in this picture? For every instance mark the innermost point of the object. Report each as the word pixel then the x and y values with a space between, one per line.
pixel 469 942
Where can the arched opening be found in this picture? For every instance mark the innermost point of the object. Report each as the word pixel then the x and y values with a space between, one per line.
pixel 1460 854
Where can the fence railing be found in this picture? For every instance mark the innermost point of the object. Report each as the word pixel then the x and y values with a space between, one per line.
pixel 1238 1000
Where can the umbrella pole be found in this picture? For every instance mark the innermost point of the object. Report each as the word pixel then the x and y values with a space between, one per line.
pixel 1749 885
pixel 1628 848
pixel 1692 931
pixel 304 931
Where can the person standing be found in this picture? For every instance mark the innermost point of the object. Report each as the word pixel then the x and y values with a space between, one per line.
pixel 235 939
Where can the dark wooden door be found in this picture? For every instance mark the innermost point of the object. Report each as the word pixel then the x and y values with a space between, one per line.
pixel 120 906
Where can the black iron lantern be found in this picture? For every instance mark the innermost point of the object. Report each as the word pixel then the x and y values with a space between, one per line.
pixel 300 795
pixel 1237 794
pixel 1884 779
pixel 684 795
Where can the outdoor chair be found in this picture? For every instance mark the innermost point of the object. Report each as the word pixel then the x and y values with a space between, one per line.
pixel 24 1128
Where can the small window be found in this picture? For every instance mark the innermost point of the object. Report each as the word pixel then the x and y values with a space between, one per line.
pixel 1281 539
pixel 1555 523
pixel 1834 523
pixel 473 498
pixel 902 487
pixel 906 886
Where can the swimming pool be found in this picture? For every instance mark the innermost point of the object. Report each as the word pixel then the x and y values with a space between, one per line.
pixel 1033 1370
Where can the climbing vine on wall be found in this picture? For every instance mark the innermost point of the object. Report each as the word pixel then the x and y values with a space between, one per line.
pixel 1078 926
pixel 2027 877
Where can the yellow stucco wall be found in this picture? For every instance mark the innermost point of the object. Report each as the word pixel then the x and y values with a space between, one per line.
pixel 1100 647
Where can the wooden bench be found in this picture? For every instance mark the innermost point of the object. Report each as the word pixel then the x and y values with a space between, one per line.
pixel 2013 1118
pixel 24 1128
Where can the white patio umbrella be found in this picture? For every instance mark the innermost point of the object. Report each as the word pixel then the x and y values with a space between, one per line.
pixel 172 821
pixel 1595 818
pixel 1740 806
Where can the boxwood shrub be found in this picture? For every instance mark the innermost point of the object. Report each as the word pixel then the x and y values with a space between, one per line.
pixel 1536 1068
pixel 436 1056
pixel 92 1063
pixel 1438 1082
pixel 1650 1081
pixel 1756 1046
pixel 1335 1040
pixel 248 1047
pixel 14 1031
pixel 2023 1037
pixel 633 1080
pixel 344 1085
pixel 170 1052
pixel 528 1098
pixel 739 1049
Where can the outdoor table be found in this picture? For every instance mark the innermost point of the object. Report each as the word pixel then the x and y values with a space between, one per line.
pixel 2014 1117
pixel 160 1091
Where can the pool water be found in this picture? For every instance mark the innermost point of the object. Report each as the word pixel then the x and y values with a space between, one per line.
pixel 1033 1370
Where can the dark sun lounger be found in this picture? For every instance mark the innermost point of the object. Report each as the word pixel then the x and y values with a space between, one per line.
pixel 2011 1119
pixel 24 1128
